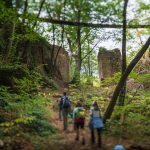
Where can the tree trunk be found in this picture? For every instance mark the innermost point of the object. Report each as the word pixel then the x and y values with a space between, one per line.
pixel 124 64
pixel 11 40
pixel 62 39
pixel 89 64
pixel 123 79
pixel 25 10
pixel 52 53
pixel 41 6
pixel 53 46
pixel 76 78
pixel 13 28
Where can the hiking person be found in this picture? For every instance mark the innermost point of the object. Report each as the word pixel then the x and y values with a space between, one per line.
pixel 65 109
pixel 79 120
pixel 96 123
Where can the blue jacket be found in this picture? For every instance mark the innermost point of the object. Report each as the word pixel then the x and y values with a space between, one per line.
pixel 95 120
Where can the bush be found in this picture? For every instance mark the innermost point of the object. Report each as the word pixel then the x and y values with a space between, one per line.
pixel 24 111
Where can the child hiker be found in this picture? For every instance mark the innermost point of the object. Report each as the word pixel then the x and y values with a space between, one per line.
pixel 79 120
pixel 96 123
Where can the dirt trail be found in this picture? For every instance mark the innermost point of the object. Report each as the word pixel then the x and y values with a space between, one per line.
pixel 67 139
pixel 69 142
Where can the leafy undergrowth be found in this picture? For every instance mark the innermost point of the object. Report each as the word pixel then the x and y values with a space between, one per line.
pixel 29 121
pixel 131 135
pixel 24 118
pixel 129 122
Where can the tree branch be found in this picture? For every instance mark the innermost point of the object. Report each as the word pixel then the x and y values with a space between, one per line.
pixel 41 6
pixel 91 50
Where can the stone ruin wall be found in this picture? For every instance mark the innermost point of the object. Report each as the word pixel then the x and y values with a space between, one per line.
pixel 39 54
pixel 109 62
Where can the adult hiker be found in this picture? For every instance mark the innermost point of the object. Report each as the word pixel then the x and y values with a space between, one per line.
pixel 96 123
pixel 79 120
pixel 66 106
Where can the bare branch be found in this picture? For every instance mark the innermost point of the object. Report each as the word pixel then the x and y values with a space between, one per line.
pixel 91 50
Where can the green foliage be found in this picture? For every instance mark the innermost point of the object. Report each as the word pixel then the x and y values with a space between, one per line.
pixel 29 83
pixel 87 94
pixel 131 119
pixel 144 78
pixel 24 112
pixel 23 119
pixel 54 85
pixel 133 75
pixel 111 80
pixel 26 109
pixel 41 127
pixel 147 93
pixel 9 66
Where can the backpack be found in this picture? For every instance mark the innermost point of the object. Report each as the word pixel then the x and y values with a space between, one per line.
pixel 80 115
pixel 66 102
pixel 96 113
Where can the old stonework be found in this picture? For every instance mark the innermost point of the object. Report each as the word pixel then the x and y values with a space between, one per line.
pixel 109 62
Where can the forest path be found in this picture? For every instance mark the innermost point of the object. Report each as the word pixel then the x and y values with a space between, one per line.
pixel 68 137
pixel 66 140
